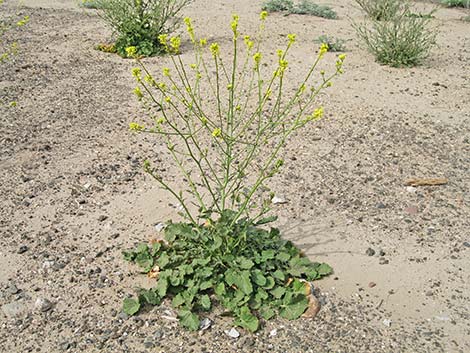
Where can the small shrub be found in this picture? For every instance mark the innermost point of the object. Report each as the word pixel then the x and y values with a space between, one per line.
pixel 139 23
pixel 224 122
pixel 456 3
pixel 334 44
pixel 401 41
pixel 305 7
pixel 466 18
pixel 381 10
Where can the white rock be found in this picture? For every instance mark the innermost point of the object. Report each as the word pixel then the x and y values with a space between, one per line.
pixel 233 333
pixel 273 332
pixel 205 324
pixel 387 322
pixel 159 227
pixel 43 304
pixel 278 200
pixel 411 189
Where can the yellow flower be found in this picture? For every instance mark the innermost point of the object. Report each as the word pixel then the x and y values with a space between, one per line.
pixel 263 15
pixel 280 53
pixel 160 121
pixel 203 42
pixel 257 59
pixel 291 38
pixel 168 99
pixel 318 113
pixel 136 73
pixel 136 127
pixel 131 52
pixel 22 22
pixel 229 86
pixel 234 25
pixel 138 93
pixel 193 66
pixel 175 43
pixel 189 29
pixel 166 71
pixel 215 49
pixel 163 39
pixel 342 57
pixel 323 50
pixel 204 121
pixel 217 132
pixel 283 64
pixel 249 43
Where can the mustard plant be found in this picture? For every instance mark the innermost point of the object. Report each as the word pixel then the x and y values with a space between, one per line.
pixel 304 7
pixel 139 23
pixel 224 123
pixel 227 150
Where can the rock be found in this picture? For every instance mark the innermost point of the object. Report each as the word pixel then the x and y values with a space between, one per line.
pixel 380 205
pixel 387 322
pixel 14 309
pixel 233 333
pixel 372 284
pixel 278 200
pixel 43 304
pixel 158 334
pixel 411 189
pixel 159 227
pixel 466 244
pixel 381 252
pixel 412 210
pixel 205 324
pixel 123 316
pixel 429 293
pixel 102 218
pixel 370 252
pixel 273 332
pixel 12 289
pixel 22 249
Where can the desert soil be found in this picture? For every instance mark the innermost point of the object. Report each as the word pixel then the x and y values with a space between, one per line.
pixel 74 194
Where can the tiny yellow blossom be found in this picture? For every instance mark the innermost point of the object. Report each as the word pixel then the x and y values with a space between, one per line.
pixel 22 22
pixel 257 59
pixel 323 50
pixel 136 127
pixel 238 108
pixel 215 49
pixel 203 42
pixel 263 15
pixel 163 39
pixel 291 38
pixel 229 86
pixel 168 99
pixel 160 120
pixel 342 57
pixel 166 71
pixel 189 29
pixel 136 73
pixel 204 121
pixel 131 52
pixel 175 43
pixel 217 132
pixel 280 53
pixel 138 93
pixel 13 104
pixel 193 66
pixel 234 25
pixel 318 113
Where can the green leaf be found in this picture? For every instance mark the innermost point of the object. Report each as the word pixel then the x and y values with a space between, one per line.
pixel 162 287
pixel 189 320
pixel 205 285
pixel 266 220
pixel 220 289
pixel 141 248
pixel 278 292
pixel 177 301
pixel 244 263
pixel 269 283
pixel 130 306
pixel 267 255
pixel 144 260
pixel 217 243
pixel 295 308
pixel 278 274
pixel 243 282
pixel 259 278
pixel 149 296
pixel 324 270
pixel 267 312
pixel 128 255
pixel 283 256
pixel 155 249
pixel 247 320
pixel 163 260
pixel 205 302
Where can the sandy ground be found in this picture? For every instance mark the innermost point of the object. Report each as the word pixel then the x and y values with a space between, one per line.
pixel 74 194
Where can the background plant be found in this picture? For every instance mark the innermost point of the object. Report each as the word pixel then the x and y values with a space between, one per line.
pixel 224 123
pixel 403 40
pixel 381 10
pixel 138 23
pixel 304 7
pixel 334 44
pixel 9 49
pixel 456 3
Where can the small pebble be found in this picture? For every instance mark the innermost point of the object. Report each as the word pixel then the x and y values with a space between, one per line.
pixel 370 252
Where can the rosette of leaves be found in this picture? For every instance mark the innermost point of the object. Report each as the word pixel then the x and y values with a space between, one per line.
pixel 250 271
